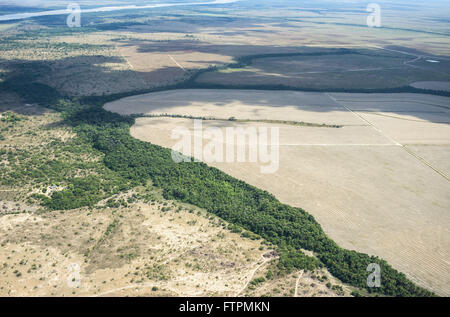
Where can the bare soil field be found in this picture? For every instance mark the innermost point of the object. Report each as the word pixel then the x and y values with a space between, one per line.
pixel 379 184
pixel 164 62
pixel 436 155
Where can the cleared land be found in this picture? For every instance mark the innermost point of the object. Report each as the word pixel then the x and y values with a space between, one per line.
pixel 378 185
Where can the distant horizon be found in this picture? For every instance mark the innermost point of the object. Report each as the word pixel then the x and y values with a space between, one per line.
pixel 27 15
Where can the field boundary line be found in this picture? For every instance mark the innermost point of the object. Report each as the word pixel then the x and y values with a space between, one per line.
pixel 425 162
pixel 364 119
pixel 174 60
pixel 391 50
pixel 139 75
pixel 125 59
pixel 406 63
pixel 418 157
pixel 404 101
pixel 376 113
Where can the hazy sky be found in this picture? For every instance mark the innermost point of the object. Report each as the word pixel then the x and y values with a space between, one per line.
pixel 105 6
pixel 47 3
pixel 433 7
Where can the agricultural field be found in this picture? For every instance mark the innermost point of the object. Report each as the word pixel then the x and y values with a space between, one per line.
pixel 337 172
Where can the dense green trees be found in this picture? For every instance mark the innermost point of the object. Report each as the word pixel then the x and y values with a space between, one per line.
pixel 81 192
pixel 245 206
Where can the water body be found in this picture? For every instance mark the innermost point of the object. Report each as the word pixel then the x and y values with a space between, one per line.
pixel 22 16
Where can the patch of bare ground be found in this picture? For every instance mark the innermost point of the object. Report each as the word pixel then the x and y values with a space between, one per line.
pixel 172 63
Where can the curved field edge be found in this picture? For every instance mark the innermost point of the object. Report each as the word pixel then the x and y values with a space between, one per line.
pixel 291 229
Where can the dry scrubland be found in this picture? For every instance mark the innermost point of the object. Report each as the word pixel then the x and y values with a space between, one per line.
pixel 75 65
pixel 378 185
pixel 148 252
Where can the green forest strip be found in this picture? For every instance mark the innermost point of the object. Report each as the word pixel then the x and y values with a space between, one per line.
pixel 136 162
pixel 233 119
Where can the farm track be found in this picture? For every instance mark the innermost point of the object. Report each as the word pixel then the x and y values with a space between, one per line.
pixel 252 274
pixel 298 282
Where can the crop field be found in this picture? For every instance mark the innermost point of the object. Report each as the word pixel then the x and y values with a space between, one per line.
pixel 378 184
